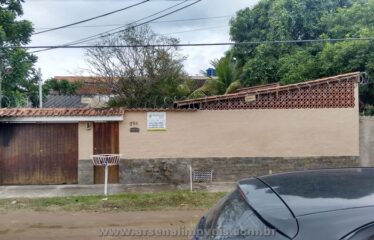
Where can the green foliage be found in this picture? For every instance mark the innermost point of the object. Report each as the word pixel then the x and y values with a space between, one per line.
pixel 299 20
pixel 234 86
pixel 183 89
pixel 62 87
pixel 226 77
pixel 368 110
pixel 20 84
pixel 297 66
pixel 262 68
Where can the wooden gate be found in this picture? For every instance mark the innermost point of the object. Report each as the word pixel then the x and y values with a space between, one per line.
pixel 106 141
pixel 38 154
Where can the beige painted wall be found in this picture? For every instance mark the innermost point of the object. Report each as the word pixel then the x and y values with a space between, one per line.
pixel 239 133
pixel 245 133
pixel 85 141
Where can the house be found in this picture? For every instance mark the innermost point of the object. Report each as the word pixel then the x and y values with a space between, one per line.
pixel 254 131
pixel 95 92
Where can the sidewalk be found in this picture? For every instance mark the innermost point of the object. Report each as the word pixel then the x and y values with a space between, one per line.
pixel 39 191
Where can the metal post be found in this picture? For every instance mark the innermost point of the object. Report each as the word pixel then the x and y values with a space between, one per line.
pixel 1 78
pixel 40 81
pixel 191 188
pixel 1 93
pixel 106 180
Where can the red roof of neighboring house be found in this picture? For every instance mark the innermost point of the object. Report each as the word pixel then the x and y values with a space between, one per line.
pixel 95 79
pixel 91 85
pixel 263 89
pixel 88 79
pixel 99 85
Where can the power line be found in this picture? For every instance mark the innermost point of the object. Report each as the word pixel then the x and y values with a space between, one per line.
pixel 108 31
pixel 198 44
pixel 130 25
pixel 194 30
pixel 155 22
pixel 78 1
pixel 93 18
pixel 140 24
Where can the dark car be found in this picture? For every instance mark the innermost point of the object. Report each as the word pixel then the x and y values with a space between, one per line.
pixel 333 204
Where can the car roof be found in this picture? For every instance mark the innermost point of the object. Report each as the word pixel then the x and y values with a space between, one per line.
pixel 311 192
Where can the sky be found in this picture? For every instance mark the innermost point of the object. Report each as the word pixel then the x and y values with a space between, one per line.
pixel 63 62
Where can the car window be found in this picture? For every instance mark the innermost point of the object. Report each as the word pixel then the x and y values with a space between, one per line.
pixel 236 220
pixel 365 233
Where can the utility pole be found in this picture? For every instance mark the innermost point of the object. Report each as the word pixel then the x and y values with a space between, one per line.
pixel 40 81
pixel 1 77
pixel 4 70
pixel 1 81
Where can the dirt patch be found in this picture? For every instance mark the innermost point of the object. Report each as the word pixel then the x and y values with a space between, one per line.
pixel 27 224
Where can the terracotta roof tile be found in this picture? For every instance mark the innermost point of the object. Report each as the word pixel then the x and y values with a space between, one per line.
pixel 79 112
pixel 259 87
pixel 158 110
pixel 56 112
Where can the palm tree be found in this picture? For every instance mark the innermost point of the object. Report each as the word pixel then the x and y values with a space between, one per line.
pixel 226 81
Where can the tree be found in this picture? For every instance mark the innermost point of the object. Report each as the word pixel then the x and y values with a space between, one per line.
pixel 302 20
pixel 226 81
pixel 61 87
pixel 140 76
pixel 19 86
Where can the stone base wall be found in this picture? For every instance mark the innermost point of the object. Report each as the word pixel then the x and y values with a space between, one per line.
pixel 176 170
pixel 234 169
pixel 85 172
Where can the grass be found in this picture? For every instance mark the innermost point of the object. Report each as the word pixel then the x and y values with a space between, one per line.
pixel 122 202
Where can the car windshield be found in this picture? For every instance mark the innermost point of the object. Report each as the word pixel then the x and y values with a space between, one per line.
pixel 236 220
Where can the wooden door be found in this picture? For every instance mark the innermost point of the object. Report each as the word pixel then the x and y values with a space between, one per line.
pixel 38 154
pixel 106 141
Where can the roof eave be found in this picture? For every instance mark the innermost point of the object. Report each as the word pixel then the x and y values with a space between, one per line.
pixel 61 119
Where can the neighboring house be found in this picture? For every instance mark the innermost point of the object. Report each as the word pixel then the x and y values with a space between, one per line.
pixel 255 131
pixel 64 101
pixel 95 92
pixel 91 85
pixel 200 80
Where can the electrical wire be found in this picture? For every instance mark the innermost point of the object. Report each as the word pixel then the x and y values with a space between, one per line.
pixel 193 30
pixel 155 22
pixel 75 1
pixel 146 22
pixel 199 44
pixel 130 25
pixel 93 18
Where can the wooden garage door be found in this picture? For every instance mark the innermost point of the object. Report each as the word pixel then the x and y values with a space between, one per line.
pixel 38 154
pixel 106 141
